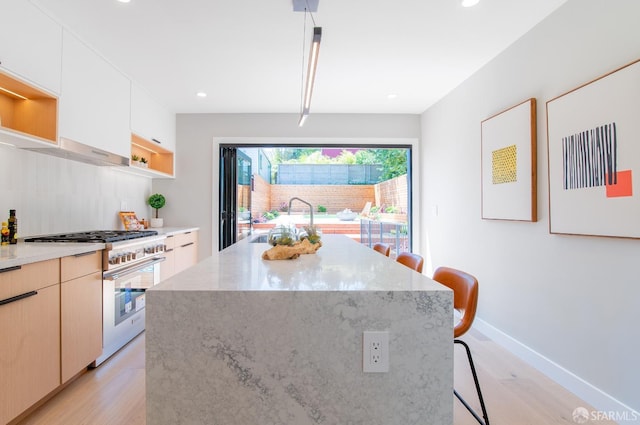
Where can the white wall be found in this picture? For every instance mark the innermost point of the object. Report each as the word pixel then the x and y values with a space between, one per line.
pixel 571 300
pixel 192 198
pixel 54 195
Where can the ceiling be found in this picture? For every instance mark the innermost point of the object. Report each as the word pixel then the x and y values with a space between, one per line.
pixel 248 55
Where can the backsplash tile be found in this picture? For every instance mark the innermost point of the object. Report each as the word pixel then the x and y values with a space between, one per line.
pixel 53 195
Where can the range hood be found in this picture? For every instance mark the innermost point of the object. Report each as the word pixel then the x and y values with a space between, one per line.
pixel 75 151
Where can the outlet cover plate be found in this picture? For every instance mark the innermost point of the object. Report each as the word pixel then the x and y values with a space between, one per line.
pixel 375 352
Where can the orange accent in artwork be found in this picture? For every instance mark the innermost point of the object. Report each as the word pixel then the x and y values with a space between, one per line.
pixel 623 187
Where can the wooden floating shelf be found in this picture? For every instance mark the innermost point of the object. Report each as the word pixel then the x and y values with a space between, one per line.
pixel 159 159
pixel 27 111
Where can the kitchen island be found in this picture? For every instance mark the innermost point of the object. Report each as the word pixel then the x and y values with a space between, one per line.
pixel 239 340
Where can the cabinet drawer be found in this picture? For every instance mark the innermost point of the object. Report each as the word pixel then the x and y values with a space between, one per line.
pixel 182 239
pixel 170 242
pixel 28 277
pixel 167 267
pixel 29 352
pixel 81 323
pixel 75 266
pixel 185 257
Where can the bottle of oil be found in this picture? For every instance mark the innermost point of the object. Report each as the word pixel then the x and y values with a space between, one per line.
pixel 13 227
pixel 5 233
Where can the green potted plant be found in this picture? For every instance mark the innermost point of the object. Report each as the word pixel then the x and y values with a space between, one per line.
pixel 135 160
pixel 157 201
pixel 143 162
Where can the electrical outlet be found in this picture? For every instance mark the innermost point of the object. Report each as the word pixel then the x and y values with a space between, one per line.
pixel 375 352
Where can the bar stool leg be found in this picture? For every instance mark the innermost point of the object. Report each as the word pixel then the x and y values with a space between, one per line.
pixel 477 383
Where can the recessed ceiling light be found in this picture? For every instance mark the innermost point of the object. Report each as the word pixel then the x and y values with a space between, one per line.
pixel 124 1
pixel 469 3
pixel 392 96
pixel 201 94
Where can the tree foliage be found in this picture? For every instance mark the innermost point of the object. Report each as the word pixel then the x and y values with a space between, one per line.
pixel 392 162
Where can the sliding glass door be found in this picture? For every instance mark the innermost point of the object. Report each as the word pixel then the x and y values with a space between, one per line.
pixel 257 181
pixel 235 196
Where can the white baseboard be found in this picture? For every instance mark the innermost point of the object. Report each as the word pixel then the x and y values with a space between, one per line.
pixel 597 398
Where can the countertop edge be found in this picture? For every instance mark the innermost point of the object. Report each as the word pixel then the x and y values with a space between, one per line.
pixel 174 230
pixel 240 268
pixel 32 252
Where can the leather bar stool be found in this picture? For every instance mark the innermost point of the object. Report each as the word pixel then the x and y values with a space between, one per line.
pixel 411 260
pixel 382 248
pixel 465 301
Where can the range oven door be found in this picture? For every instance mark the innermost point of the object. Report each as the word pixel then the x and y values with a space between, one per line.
pixel 123 293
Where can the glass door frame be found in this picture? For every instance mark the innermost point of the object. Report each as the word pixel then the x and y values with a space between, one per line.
pixel 228 207
pixel 228 193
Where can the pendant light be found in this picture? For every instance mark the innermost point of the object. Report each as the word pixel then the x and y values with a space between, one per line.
pixel 311 74
pixel 307 87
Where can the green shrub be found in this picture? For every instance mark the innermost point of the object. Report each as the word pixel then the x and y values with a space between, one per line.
pixel 156 201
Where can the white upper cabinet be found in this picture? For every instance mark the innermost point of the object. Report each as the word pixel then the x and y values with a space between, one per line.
pixel 152 121
pixel 95 98
pixel 30 44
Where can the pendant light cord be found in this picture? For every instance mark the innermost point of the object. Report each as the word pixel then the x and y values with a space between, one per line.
pixel 304 34
pixel 309 9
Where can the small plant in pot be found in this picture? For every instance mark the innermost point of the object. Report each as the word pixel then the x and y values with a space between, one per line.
pixel 143 162
pixel 135 160
pixel 156 201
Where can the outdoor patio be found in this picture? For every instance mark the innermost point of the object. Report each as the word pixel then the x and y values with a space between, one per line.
pixel 327 225
pixel 391 229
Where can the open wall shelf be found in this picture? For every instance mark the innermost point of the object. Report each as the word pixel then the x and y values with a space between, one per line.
pixel 159 159
pixel 26 113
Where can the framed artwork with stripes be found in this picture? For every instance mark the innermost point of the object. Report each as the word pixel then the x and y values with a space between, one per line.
pixel 593 145
pixel 509 177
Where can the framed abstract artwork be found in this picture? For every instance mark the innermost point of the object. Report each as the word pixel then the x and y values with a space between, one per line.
pixel 509 179
pixel 593 141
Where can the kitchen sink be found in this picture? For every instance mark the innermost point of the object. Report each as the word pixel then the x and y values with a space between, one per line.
pixel 260 239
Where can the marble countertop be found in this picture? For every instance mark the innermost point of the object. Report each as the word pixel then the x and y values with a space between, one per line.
pixel 281 342
pixel 173 230
pixel 32 252
pixel 341 264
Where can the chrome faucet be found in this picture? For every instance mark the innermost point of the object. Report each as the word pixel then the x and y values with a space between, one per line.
pixel 304 202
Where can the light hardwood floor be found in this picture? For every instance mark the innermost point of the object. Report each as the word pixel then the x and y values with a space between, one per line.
pixel 112 394
pixel 515 393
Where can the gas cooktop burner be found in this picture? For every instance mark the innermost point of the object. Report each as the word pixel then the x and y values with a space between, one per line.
pixel 94 236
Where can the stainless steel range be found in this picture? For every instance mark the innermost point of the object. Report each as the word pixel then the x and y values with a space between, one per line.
pixel 131 264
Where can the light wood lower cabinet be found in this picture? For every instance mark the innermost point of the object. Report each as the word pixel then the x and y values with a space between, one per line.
pixel 167 267
pixel 181 252
pixel 30 343
pixel 81 312
pixel 186 251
